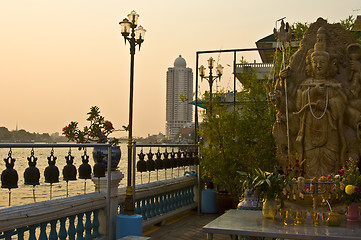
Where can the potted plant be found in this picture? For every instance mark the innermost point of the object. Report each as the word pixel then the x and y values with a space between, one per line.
pixel 97 131
pixel 249 198
pixel 270 186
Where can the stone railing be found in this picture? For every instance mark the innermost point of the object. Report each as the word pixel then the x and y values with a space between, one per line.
pixel 160 200
pixel 60 218
pixel 83 216
pixel 89 216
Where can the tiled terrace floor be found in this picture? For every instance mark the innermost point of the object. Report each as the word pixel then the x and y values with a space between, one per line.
pixel 185 227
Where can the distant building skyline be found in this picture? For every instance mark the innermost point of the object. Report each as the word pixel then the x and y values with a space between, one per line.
pixel 178 112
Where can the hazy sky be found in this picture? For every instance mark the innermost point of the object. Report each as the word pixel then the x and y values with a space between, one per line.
pixel 58 58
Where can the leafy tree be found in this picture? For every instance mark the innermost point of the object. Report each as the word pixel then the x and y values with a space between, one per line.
pixel 4 134
pixel 238 140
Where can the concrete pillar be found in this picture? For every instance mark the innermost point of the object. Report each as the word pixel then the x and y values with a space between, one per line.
pixel 101 184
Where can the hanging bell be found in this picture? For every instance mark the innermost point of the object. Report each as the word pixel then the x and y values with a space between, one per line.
pixel 173 160
pixel 166 161
pixel 85 169
pixel 99 167
pixel 150 161
pixel 9 177
pixel 179 159
pixel 196 158
pixel 186 158
pixel 191 158
pixel 141 164
pixel 69 170
pixel 51 172
pixel 158 163
pixel 32 173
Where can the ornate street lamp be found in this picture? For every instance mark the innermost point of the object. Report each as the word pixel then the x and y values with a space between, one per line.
pixel 210 78
pixel 129 27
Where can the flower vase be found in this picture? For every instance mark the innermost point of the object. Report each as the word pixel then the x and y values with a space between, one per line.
pixel 269 209
pixel 250 201
pixel 352 212
pixel 102 152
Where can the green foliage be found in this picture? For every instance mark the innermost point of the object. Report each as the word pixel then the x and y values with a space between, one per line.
pixel 269 185
pixel 348 23
pixel 238 140
pixel 97 131
pixel 298 29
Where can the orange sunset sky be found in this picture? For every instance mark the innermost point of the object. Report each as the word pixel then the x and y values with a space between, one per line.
pixel 58 58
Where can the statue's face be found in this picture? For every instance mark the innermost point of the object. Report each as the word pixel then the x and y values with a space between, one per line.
pixel 319 65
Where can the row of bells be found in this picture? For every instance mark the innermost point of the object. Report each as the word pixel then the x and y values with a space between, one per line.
pixel 9 177
pixel 170 160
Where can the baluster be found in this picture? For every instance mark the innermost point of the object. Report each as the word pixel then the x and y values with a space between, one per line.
pixel 96 224
pixel 80 227
pixel 144 208
pixel 166 203
pixel 183 197
pixel 32 229
pixel 8 234
pixel 53 234
pixel 21 233
pixel 190 197
pixel 156 206
pixel 186 196
pixel 62 231
pixel 71 229
pixel 88 225
pixel 152 207
pixel 42 235
pixel 178 199
pixel 161 204
pixel 148 208
pixel 138 208
pixel 172 200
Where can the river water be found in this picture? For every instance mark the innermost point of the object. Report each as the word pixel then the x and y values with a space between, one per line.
pixel 24 193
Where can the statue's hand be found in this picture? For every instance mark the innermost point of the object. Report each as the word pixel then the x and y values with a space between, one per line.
pixel 285 73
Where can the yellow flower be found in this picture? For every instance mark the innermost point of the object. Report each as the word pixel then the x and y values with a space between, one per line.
pixel 314 179
pixel 322 179
pixel 342 186
pixel 349 189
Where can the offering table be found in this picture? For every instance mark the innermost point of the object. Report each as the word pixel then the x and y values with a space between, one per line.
pixel 252 223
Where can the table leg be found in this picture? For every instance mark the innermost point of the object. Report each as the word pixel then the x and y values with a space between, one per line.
pixel 209 236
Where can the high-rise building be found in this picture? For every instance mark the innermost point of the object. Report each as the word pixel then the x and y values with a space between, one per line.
pixel 179 93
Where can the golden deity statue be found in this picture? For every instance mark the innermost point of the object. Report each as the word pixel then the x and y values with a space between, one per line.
pixel 324 101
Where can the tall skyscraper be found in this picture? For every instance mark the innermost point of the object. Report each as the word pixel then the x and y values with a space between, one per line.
pixel 179 93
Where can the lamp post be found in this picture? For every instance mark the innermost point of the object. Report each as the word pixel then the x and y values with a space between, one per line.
pixel 210 78
pixel 129 27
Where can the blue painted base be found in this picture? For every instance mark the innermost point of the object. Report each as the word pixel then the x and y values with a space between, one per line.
pixel 209 201
pixel 128 225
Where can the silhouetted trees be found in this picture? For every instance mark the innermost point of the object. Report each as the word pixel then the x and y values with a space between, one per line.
pixel 24 136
